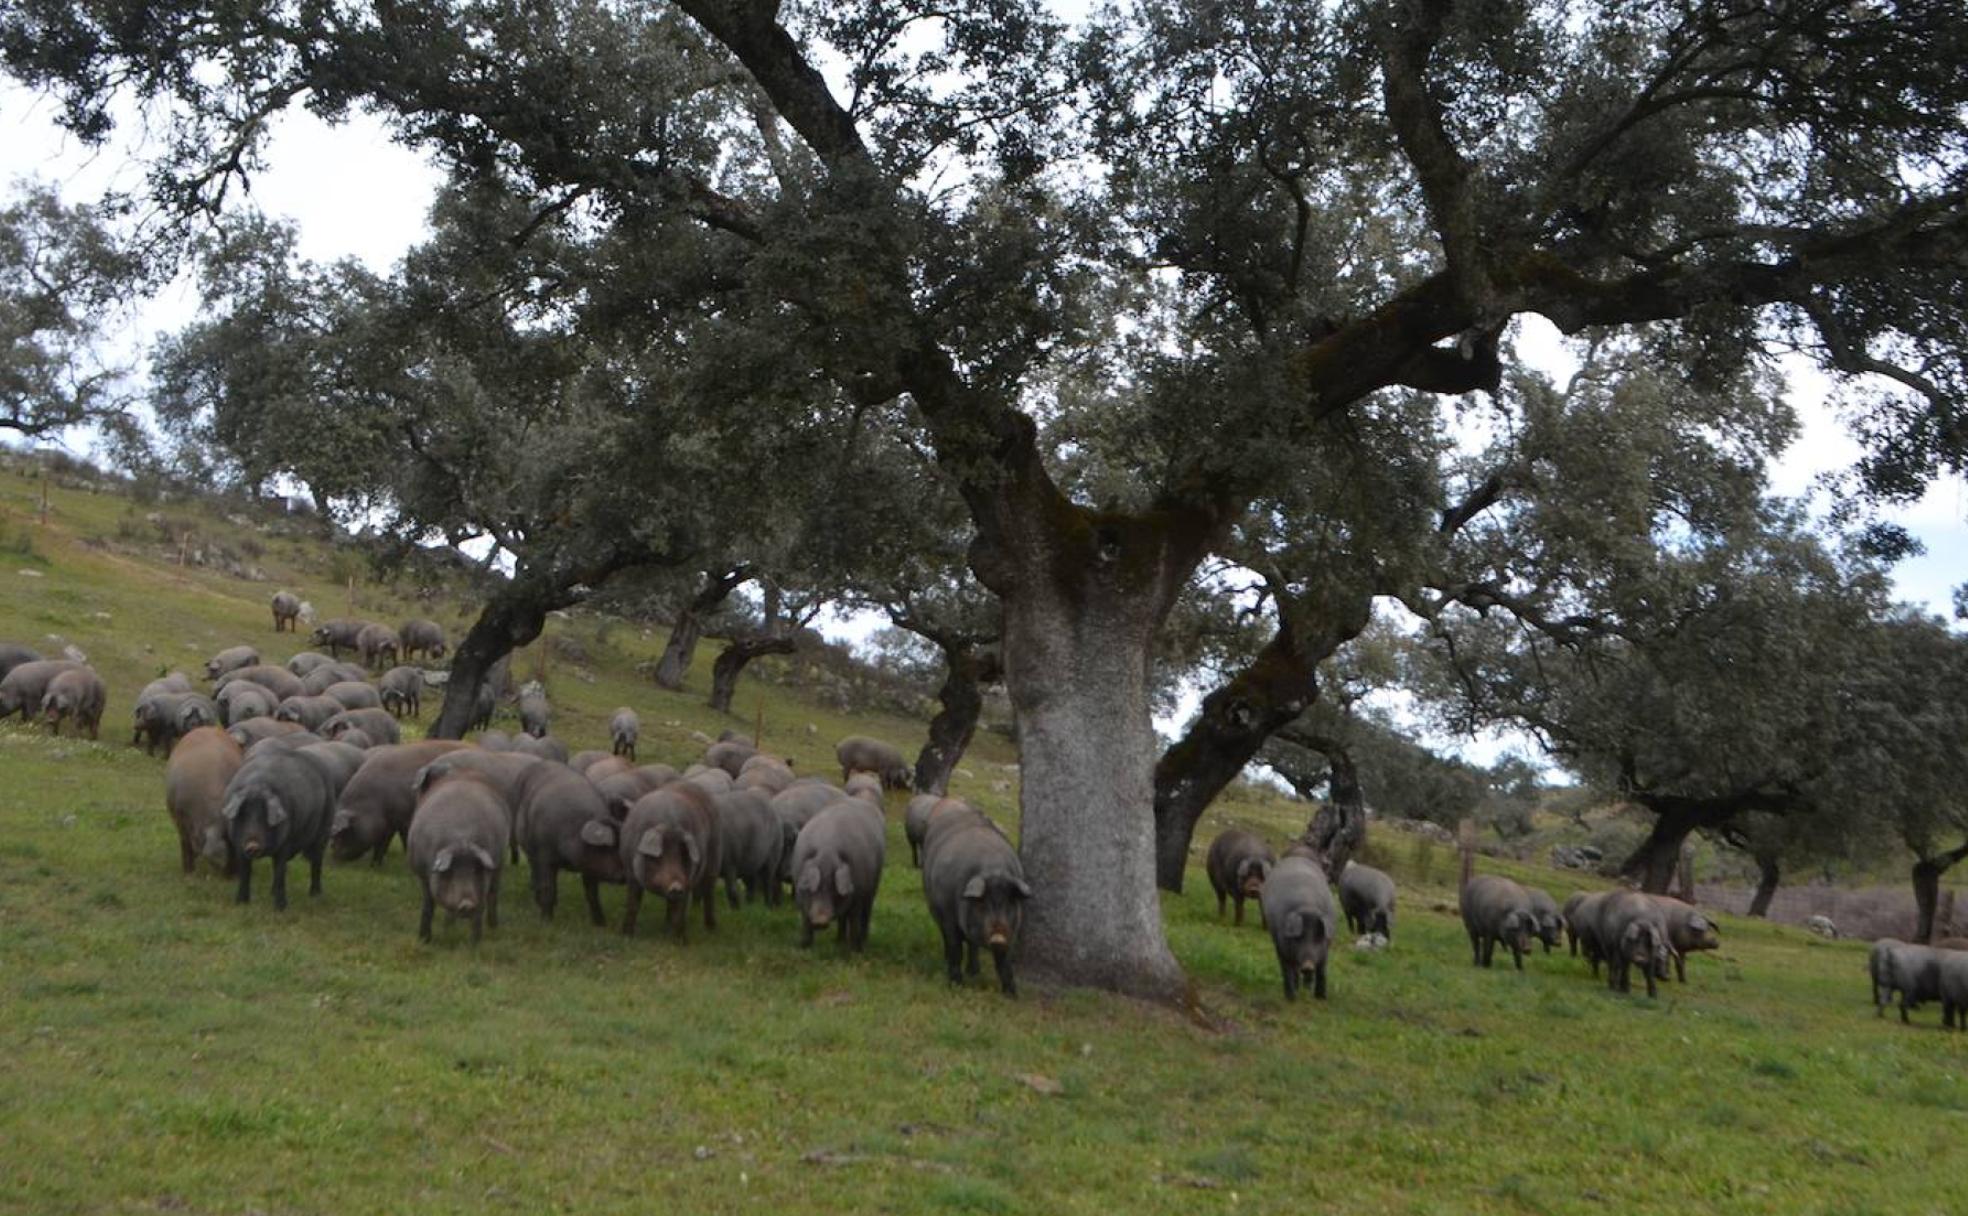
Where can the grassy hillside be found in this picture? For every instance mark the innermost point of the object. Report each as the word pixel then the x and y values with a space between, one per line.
pixel 167 1050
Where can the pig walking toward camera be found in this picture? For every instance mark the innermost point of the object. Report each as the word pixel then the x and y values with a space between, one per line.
pixel 457 840
pixel 670 846
pixel 836 870
pixel 623 728
pixel 1238 864
pixel 1297 904
pixel 976 890
pixel 279 806
pixel 1495 909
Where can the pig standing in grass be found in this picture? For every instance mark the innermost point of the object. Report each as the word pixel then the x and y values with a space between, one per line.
pixel 623 728
pixel 420 636
pixel 286 612
pixel 750 843
pixel 1953 976
pixel 276 680
pixel 976 890
pixel 1297 904
pixel 22 688
pixel 379 801
pixel 373 722
pixel 1631 931
pixel 1688 930
pixel 860 754
pixel 1496 910
pixel 1546 921
pixel 670 845
pixel 195 780
pixel 564 825
pixel 317 682
pixel 457 840
pixel 13 654
pixel 1366 895
pixel 279 806
pixel 1237 865
pixel 534 713
pixel 77 696
pixel 311 712
pixel 230 659
pixel 836 869
pixel 402 691
pixel 1913 971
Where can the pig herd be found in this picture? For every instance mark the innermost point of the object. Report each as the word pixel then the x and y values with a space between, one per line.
pixel 299 760
pixel 287 763
pixel 1294 894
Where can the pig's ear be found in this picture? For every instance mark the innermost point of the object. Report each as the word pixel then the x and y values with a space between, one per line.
pixel 809 879
pixel 690 848
pixel 1021 888
pixel 483 858
pixel 651 844
pixel 441 862
pixel 1316 928
pixel 342 822
pixel 600 833
pixel 231 809
pixel 843 881
pixel 974 889
pixel 1295 925
pixel 276 811
pixel 618 807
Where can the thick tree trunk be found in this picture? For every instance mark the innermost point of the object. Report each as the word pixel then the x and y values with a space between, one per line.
pixel 966 672
pixel 511 618
pixel 680 649
pixel 1078 677
pixel 1658 856
pixel 1340 826
pixel 1768 874
pixel 689 628
pixel 731 663
pixel 1232 725
pixel 1927 888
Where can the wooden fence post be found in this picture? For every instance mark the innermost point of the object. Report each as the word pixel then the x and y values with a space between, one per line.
pixel 1466 844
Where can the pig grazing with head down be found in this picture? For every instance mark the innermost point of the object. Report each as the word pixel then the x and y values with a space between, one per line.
pixel 1688 930
pixel 230 659
pixel 354 694
pixel 1913 971
pixel 1238 864
pixel 195 780
pixel 379 800
pixel 75 695
pixel 420 636
pixel 1366 896
pixel 279 806
pixel 1546 921
pixel 836 869
pixel 1496 910
pixel 317 682
pixel 245 700
pixel 22 688
pixel 379 646
pixel 162 718
pixel 373 722
pixel 276 680
pixel 669 844
pixel 623 728
pixel 402 691
pixel 544 747
pixel 310 712
pixel 751 844
pixel 337 635
pixel 860 754
pixel 1297 904
pixel 459 836
pixel 976 890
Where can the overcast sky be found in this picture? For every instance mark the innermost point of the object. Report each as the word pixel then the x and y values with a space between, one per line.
pixel 353 193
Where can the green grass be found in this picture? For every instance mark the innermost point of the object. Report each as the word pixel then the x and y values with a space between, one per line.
pixel 162 1049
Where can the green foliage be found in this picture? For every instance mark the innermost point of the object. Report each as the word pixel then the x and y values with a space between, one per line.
pixel 63 273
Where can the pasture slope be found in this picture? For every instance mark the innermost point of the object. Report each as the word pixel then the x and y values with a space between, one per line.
pixel 167 1051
